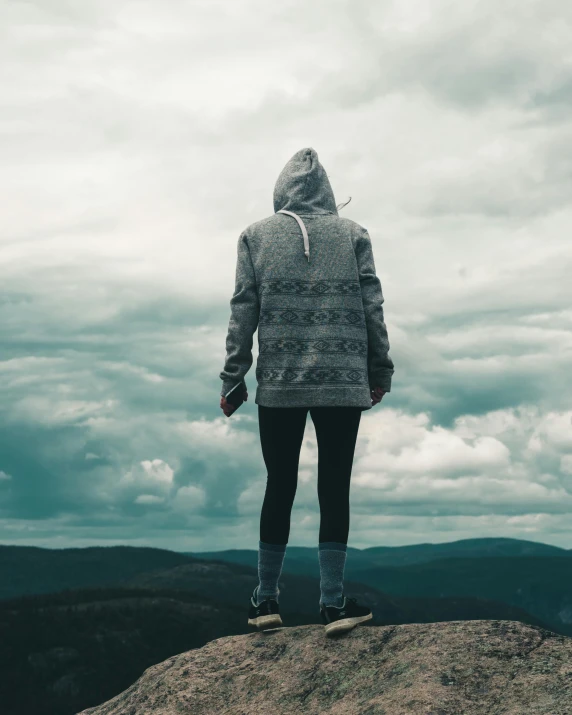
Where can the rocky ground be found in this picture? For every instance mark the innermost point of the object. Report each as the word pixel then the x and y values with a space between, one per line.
pixel 449 668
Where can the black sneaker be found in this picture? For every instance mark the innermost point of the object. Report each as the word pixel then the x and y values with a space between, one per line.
pixel 344 618
pixel 264 616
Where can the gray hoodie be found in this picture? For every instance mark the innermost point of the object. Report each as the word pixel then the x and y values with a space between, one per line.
pixel 305 277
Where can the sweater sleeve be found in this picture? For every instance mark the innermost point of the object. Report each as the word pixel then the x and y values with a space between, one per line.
pixel 244 315
pixel 379 365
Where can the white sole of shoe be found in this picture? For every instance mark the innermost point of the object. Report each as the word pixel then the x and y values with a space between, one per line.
pixel 346 624
pixel 264 622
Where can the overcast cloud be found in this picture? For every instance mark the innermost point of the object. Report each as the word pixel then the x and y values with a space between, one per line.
pixel 138 140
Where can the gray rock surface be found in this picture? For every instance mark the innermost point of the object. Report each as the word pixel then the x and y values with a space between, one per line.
pixel 447 668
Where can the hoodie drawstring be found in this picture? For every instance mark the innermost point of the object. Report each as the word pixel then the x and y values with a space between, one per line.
pixel 304 231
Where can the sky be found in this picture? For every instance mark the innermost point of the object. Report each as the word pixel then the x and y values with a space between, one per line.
pixel 139 139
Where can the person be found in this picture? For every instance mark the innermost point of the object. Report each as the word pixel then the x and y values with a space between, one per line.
pixel 306 280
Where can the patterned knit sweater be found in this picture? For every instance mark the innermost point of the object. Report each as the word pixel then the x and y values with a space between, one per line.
pixel 308 283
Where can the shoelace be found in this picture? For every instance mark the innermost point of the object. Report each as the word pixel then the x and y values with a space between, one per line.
pixel 266 605
pixel 350 598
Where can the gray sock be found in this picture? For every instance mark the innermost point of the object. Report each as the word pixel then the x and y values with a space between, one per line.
pixel 332 557
pixel 270 560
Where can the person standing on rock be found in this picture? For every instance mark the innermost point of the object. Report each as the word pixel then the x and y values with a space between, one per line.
pixel 306 279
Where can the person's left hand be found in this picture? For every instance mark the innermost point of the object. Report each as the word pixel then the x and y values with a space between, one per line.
pixel 226 407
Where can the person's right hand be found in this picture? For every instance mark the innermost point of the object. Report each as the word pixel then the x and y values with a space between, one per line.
pixel 376 396
pixel 226 407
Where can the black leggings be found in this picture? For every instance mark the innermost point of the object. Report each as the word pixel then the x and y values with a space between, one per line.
pixel 281 435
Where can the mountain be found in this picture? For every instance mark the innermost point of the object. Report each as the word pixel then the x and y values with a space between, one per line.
pixel 31 570
pixel 115 611
pixel 303 559
pixel 541 585
pixel 63 652
pixel 473 667
pixel 300 595
pixel 533 576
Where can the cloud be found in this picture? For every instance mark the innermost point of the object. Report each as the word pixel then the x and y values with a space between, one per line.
pixel 149 499
pixel 506 461
pixel 141 140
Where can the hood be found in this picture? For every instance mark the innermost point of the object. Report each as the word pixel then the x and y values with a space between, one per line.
pixel 303 186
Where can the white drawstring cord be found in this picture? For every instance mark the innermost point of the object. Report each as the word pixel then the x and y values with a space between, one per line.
pixel 304 231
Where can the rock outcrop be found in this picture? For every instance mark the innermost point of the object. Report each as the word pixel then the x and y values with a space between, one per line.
pixel 447 668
